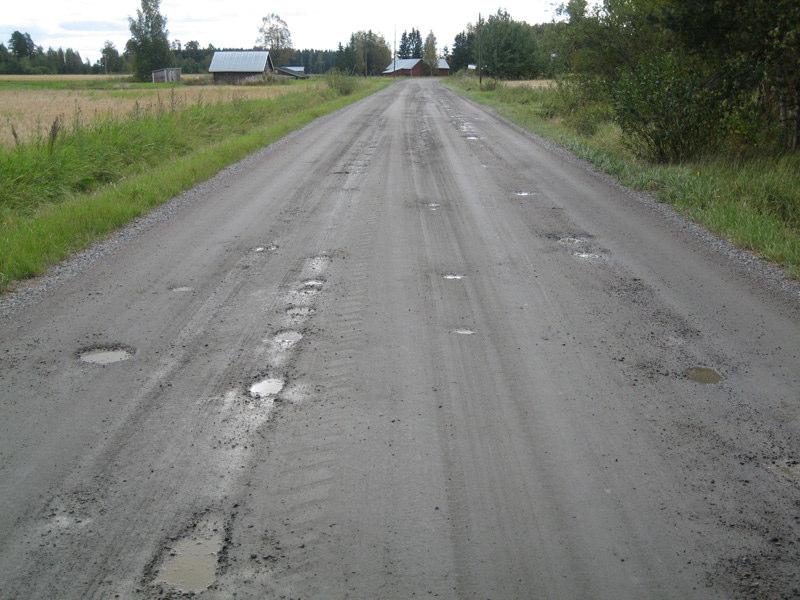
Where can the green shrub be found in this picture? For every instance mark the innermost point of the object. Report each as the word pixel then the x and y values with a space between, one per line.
pixel 667 109
pixel 343 84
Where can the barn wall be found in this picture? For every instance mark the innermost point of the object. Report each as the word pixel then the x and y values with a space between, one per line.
pixel 237 78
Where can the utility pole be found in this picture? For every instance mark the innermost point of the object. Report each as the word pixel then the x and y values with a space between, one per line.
pixel 394 54
pixel 480 53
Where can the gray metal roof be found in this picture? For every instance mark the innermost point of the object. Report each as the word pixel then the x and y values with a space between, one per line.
pixel 300 70
pixel 400 64
pixel 409 63
pixel 249 61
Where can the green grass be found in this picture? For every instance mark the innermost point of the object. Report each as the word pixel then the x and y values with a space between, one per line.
pixel 753 201
pixel 56 200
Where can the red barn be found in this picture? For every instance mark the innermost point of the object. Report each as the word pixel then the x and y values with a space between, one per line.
pixel 405 67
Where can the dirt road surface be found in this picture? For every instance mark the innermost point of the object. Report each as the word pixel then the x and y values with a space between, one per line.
pixel 408 351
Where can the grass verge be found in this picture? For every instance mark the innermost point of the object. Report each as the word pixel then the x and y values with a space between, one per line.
pixel 59 197
pixel 753 201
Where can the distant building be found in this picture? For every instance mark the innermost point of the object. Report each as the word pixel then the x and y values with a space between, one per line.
pixel 405 67
pixel 472 68
pixel 169 75
pixel 296 72
pixel 240 66
pixel 442 68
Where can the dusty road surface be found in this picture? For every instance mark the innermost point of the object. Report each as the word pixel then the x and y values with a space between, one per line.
pixel 408 351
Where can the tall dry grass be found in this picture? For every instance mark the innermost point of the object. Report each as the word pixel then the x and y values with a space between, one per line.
pixel 27 114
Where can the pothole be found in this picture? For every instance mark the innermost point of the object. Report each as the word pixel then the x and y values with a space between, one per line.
pixel 463 331
pixel 286 339
pixel 571 241
pixel 433 205
pixel 105 355
pixel 266 387
pixel 586 255
pixel 299 312
pixel 313 284
pixel 181 289
pixel 190 565
pixel 523 194
pixel 703 375
pixel 259 249
pixel 471 137
pixel 452 276
pixel 319 264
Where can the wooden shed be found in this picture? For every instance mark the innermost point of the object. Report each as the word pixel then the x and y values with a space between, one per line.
pixel 240 66
pixel 442 68
pixel 169 75
pixel 405 67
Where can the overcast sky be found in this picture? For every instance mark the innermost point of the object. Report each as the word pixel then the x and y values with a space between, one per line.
pixel 84 25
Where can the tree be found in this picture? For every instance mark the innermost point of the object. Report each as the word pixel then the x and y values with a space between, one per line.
pixel 274 35
pixel 149 45
pixel 110 60
pixel 415 44
pixel 509 48
pixel 463 50
pixel 367 53
pixel 22 45
pixel 405 48
pixel 429 55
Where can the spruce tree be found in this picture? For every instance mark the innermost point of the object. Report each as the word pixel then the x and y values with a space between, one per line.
pixel 149 44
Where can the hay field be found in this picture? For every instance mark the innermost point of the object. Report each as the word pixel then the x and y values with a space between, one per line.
pixel 29 112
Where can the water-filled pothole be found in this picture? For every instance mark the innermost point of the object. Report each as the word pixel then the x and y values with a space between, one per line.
pixel 463 331
pixel 522 194
pixel 313 284
pixel 586 255
pixel 191 564
pixel 452 276
pixel 105 355
pixel 433 205
pixel 182 289
pixel 571 241
pixel 471 137
pixel 266 387
pixel 286 339
pixel 703 375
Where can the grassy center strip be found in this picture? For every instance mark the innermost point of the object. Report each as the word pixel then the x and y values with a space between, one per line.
pixel 753 201
pixel 58 198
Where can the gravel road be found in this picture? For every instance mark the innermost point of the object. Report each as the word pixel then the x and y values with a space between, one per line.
pixel 407 351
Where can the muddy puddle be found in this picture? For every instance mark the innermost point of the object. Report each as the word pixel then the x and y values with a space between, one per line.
pixel 586 255
pixel 271 386
pixel 190 564
pixel 463 331
pixel 105 356
pixel 523 194
pixel 703 375
pixel 452 276
pixel 182 289
pixel 313 284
